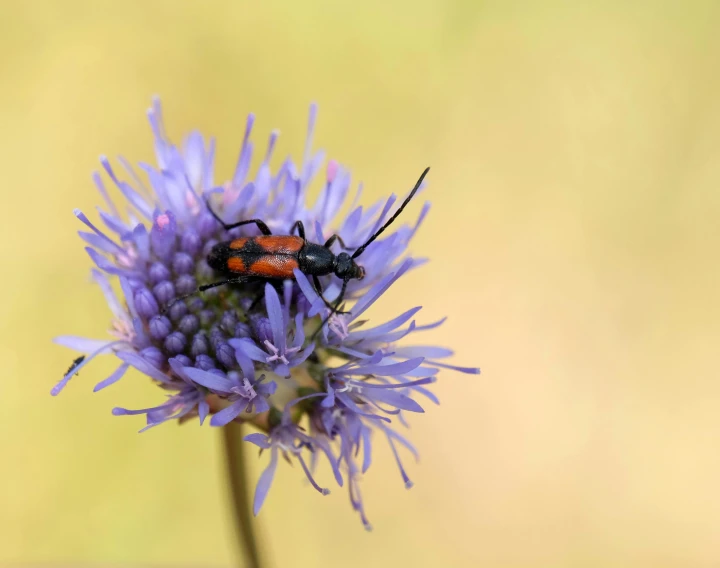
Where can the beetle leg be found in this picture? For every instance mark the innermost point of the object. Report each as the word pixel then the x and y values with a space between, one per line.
pixel 264 229
pixel 340 298
pixel 216 284
pixel 261 295
pixel 300 228
pixel 206 287
pixel 255 302
pixel 334 238
pixel 318 289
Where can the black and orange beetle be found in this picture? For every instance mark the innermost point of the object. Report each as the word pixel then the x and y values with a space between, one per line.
pixel 274 257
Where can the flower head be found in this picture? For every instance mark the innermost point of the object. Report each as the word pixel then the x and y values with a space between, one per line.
pixel 318 383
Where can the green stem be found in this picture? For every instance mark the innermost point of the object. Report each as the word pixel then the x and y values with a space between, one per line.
pixel 237 478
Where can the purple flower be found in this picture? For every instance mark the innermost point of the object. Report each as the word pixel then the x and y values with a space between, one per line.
pixel 245 395
pixel 187 398
pixel 289 439
pixel 275 351
pixel 270 353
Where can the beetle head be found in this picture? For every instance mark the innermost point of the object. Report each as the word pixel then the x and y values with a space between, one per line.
pixel 346 268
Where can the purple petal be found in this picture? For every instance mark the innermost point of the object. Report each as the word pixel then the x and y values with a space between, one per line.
pixel 307 289
pixel 136 179
pixel 386 209
pixel 208 177
pixel 347 401
pixel 331 459
pixel 265 481
pixel 108 245
pixel 308 141
pixel 367 449
pixel 208 380
pixel 228 414
pixel 304 354
pixel 245 154
pixel 432 325
pixel 402 385
pixel 248 347
pixel 157 181
pixel 260 440
pixel 427 394
pixel 421 217
pixel 245 362
pixel 389 370
pixel 274 311
pixel 83 344
pixel 115 377
pixel 395 336
pixel 299 338
pixel 203 410
pixel 265 388
pixel 141 238
pixel 101 188
pixel 130 194
pixel 295 401
pixel 261 405
pixel 384 328
pixel 406 479
pixel 395 399
pixel 429 352
pixel 379 289
pixel 129 296
pixel 98 242
pixel 281 369
pixel 319 232
pixel 114 223
pixel 349 351
pixel 119 411
pixel 118 310
pixel 468 370
pixel 422 372
pixel 134 360
pixel 404 441
pixel 104 264
pixel 311 479
pixel 329 400
pixel 287 299
pixel 194 151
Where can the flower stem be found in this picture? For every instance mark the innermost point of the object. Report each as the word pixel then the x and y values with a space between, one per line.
pixel 237 478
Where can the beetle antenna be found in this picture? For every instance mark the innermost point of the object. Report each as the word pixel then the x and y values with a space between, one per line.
pixel 359 251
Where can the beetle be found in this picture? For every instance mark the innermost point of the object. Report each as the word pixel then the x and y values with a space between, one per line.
pixel 274 257
pixel 75 364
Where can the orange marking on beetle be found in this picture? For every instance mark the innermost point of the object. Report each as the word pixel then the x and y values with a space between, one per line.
pixel 238 243
pixel 280 244
pixel 236 264
pixel 272 266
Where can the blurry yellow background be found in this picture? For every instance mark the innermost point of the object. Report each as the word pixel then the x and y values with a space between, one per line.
pixel 574 240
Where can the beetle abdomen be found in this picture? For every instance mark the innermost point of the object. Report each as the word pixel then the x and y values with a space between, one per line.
pixel 268 256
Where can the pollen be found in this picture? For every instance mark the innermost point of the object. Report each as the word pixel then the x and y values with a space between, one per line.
pixel 163 220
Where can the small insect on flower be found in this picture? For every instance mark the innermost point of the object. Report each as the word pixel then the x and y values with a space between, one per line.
pixel 75 364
